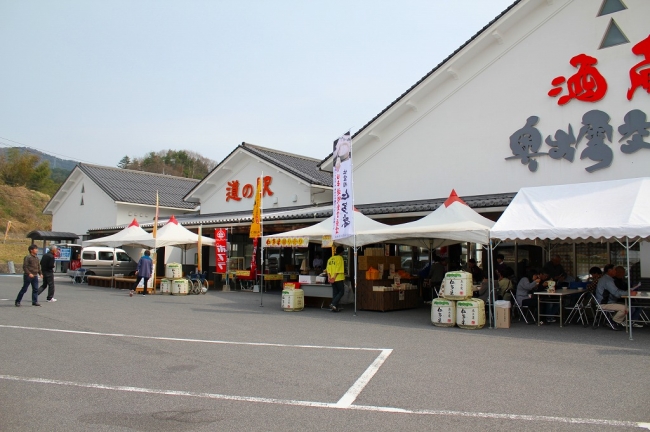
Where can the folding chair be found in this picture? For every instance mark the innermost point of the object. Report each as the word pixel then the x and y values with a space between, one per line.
pixel 579 310
pixel 523 310
pixel 601 313
pixel 79 276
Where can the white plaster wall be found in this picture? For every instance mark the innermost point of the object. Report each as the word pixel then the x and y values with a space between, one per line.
pixel 246 171
pixel 98 209
pixel 458 134
pixel 144 214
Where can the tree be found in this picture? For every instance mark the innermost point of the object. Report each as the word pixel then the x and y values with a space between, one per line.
pixel 124 162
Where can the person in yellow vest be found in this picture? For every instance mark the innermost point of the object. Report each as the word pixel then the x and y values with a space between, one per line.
pixel 336 276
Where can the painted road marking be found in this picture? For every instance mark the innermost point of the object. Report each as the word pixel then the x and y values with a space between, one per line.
pixel 348 398
pixel 493 416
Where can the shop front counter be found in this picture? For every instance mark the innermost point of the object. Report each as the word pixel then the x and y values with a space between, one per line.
pixel 317 294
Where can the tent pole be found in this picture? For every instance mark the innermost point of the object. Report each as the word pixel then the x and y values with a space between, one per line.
pixel 629 289
pixel 355 275
pixel 491 295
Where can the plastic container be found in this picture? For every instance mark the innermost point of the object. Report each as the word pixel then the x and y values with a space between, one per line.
pixel 293 300
pixel 470 314
pixel 457 285
pixel 180 287
pixel 173 271
pixel 165 286
pixel 443 312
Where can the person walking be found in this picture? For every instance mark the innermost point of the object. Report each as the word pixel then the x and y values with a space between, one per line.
pixel 31 271
pixel 336 276
pixel 144 271
pixel 47 267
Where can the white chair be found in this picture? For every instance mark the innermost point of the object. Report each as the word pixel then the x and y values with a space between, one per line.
pixel 602 313
pixel 79 276
pixel 523 310
pixel 579 310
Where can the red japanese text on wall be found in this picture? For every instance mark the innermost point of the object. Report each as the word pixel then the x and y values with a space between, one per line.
pixel 587 84
pixel 235 192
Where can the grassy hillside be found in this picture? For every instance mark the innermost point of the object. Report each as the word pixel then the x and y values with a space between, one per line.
pixel 24 209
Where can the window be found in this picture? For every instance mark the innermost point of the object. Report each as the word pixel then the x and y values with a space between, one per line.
pixel 123 257
pixel 89 256
pixel 106 256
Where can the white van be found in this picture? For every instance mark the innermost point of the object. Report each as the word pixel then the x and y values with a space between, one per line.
pixel 106 261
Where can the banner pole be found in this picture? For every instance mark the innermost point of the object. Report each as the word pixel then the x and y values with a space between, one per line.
pixel 261 235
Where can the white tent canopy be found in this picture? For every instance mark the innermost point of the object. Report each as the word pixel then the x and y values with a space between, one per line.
pixel 452 222
pixel 583 212
pixel 315 233
pixel 175 234
pixel 132 235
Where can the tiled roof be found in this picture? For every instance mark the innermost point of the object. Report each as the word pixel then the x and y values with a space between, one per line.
pixel 429 74
pixel 325 211
pixel 301 166
pixel 140 187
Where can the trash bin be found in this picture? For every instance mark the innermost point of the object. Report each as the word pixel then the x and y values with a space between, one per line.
pixel 11 267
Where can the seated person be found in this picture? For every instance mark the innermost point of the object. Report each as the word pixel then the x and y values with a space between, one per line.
pixel 505 283
pixel 607 295
pixel 531 282
pixel 483 292
pixel 477 273
pixel 595 273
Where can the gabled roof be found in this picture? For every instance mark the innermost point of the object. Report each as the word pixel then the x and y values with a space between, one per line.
pixel 302 167
pixel 139 187
pixel 441 64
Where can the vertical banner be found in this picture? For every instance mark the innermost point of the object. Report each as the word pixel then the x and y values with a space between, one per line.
pixel 256 228
pixel 199 251
pixel 254 258
pixel 343 203
pixel 221 250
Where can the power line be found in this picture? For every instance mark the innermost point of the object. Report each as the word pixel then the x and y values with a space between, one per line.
pixel 40 150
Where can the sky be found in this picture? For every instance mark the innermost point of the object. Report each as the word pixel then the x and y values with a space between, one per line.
pixel 94 81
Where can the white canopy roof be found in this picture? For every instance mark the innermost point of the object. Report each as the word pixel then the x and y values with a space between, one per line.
pixel 132 235
pixel 452 222
pixel 578 212
pixel 175 234
pixel 315 233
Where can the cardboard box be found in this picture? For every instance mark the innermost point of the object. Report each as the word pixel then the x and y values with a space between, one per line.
pixel 307 279
pixel 503 317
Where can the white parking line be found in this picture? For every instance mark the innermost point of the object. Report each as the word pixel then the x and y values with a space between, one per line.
pixel 493 416
pixel 346 402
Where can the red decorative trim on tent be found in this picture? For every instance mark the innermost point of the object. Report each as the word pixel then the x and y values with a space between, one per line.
pixel 453 198
pixel 134 223
pixel 173 220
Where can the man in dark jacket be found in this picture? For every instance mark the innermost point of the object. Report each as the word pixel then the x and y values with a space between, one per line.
pixel 47 267
pixel 31 270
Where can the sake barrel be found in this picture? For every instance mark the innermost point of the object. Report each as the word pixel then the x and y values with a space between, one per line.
pixel 173 271
pixel 470 313
pixel 443 312
pixel 457 285
pixel 165 286
pixel 179 287
pixel 293 300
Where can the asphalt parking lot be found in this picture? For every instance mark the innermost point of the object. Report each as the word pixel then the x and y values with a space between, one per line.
pixel 100 360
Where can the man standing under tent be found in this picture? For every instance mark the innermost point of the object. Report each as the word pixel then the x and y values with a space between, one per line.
pixel 144 271
pixel 336 276
pixel 47 267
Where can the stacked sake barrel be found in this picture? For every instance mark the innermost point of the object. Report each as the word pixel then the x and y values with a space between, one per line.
pixel 456 305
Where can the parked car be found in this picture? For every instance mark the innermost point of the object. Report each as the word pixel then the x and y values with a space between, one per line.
pixel 106 261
